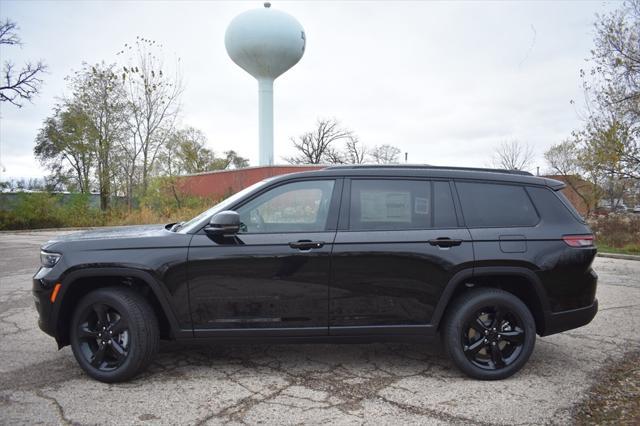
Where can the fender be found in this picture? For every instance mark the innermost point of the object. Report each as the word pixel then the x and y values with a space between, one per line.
pixel 470 273
pixel 156 287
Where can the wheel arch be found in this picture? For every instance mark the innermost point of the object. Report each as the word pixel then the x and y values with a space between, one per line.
pixel 521 282
pixel 81 282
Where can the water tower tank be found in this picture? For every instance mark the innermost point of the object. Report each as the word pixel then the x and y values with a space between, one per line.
pixel 265 43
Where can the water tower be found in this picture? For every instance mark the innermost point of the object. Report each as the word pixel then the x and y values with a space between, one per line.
pixel 265 43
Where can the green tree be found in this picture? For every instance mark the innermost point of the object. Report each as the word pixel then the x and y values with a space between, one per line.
pixel 186 152
pixel 612 93
pixel 231 160
pixel 65 146
pixel 566 159
pixel 98 93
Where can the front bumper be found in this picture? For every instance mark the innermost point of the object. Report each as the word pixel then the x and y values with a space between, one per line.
pixel 41 291
pixel 556 322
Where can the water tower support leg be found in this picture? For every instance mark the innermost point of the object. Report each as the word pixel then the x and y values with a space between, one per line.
pixel 265 110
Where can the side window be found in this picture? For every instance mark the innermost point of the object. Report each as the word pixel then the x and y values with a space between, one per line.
pixel 390 204
pixel 553 205
pixel 488 204
pixel 444 213
pixel 293 207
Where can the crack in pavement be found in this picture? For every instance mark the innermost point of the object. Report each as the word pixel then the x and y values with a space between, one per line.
pixel 403 383
pixel 332 381
pixel 618 307
pixel 59 409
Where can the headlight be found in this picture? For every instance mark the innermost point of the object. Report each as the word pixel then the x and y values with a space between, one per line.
pixel 49 260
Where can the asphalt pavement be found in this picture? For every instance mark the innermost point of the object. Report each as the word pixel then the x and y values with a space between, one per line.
pixel 293 384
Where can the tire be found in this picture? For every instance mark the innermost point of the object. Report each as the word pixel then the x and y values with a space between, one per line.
pixel 114 334
pixel 488 333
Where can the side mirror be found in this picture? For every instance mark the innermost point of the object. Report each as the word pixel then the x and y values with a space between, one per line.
pixel 224 223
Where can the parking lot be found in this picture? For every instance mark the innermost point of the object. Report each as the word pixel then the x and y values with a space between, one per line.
pixel 292 384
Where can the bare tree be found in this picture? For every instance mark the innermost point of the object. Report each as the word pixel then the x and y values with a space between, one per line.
pixel 154 101
pixel 22 84
pixel 355 151
pixel 513 155
pixel 317 146
pixel 385 154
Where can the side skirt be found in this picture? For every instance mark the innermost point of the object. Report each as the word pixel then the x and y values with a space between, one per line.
pixel 362 334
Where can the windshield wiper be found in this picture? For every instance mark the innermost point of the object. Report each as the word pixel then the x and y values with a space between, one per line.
pixel 176 226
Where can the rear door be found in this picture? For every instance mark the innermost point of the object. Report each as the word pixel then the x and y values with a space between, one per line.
pixel 398 244
pixel 502 220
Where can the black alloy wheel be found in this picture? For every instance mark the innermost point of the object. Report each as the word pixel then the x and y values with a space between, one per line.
pixel 493 338
pixel 489 333
pixel 114 334
pixel 104 337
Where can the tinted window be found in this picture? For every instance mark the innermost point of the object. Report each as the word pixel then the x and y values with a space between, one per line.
pixel 390 204
pixel 486 204
pixel 293 207
pixel 570 206
pixel 551 206
pixel 444 214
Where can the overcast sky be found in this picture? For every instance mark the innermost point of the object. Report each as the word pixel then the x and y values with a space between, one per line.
pixel 444 81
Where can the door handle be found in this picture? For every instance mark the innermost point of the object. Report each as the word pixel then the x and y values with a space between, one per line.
pixel 306 244
pixel 445 242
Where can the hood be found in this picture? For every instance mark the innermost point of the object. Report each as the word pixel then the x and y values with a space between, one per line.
pixel 113 237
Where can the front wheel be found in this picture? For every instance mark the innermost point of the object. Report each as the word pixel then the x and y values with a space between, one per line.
pixel 489 333
pixel 114 334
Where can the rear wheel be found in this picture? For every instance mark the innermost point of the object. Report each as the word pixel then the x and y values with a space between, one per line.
pixel 114 334
pixel 489 333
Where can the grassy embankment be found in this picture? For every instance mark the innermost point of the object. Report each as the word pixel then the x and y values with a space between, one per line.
pixel 41 210
pixel 617 233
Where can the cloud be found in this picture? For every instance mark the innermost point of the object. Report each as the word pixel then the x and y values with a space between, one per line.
pixel 445 82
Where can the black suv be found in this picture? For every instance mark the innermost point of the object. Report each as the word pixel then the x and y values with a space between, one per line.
pixel 486 259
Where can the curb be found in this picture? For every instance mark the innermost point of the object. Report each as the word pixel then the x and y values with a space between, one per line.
pixel 619 256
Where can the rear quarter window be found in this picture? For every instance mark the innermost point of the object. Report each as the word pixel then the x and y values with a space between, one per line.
pixel 569 206
pixel 496 205
pixel 553 205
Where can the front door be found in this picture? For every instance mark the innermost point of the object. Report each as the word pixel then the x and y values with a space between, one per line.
pixel 399 243
pixel 273 278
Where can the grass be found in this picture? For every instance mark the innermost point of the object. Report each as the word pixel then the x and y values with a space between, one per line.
pixel 41 210
pixel 615 398
pixel 633 249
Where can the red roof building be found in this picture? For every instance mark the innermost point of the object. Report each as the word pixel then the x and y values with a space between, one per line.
pixel 222 183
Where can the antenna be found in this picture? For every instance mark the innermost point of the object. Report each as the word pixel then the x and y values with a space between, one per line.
pixel 265 43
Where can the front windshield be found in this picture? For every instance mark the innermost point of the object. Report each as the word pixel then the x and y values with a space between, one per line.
pixel 198 221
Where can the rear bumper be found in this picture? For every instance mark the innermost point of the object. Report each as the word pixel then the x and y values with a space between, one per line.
pixel 556 322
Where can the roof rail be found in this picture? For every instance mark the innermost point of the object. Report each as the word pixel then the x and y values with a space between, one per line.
pixel 426 166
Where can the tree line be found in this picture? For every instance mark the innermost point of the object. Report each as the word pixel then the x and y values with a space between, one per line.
pixel 331 143
pixel 118 128
pixel 601 160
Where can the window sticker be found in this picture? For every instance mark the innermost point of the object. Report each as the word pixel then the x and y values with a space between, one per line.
pixel 421 205
pixel 382 206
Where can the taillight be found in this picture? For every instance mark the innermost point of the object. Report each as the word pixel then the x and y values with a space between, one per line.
pixel 578 240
